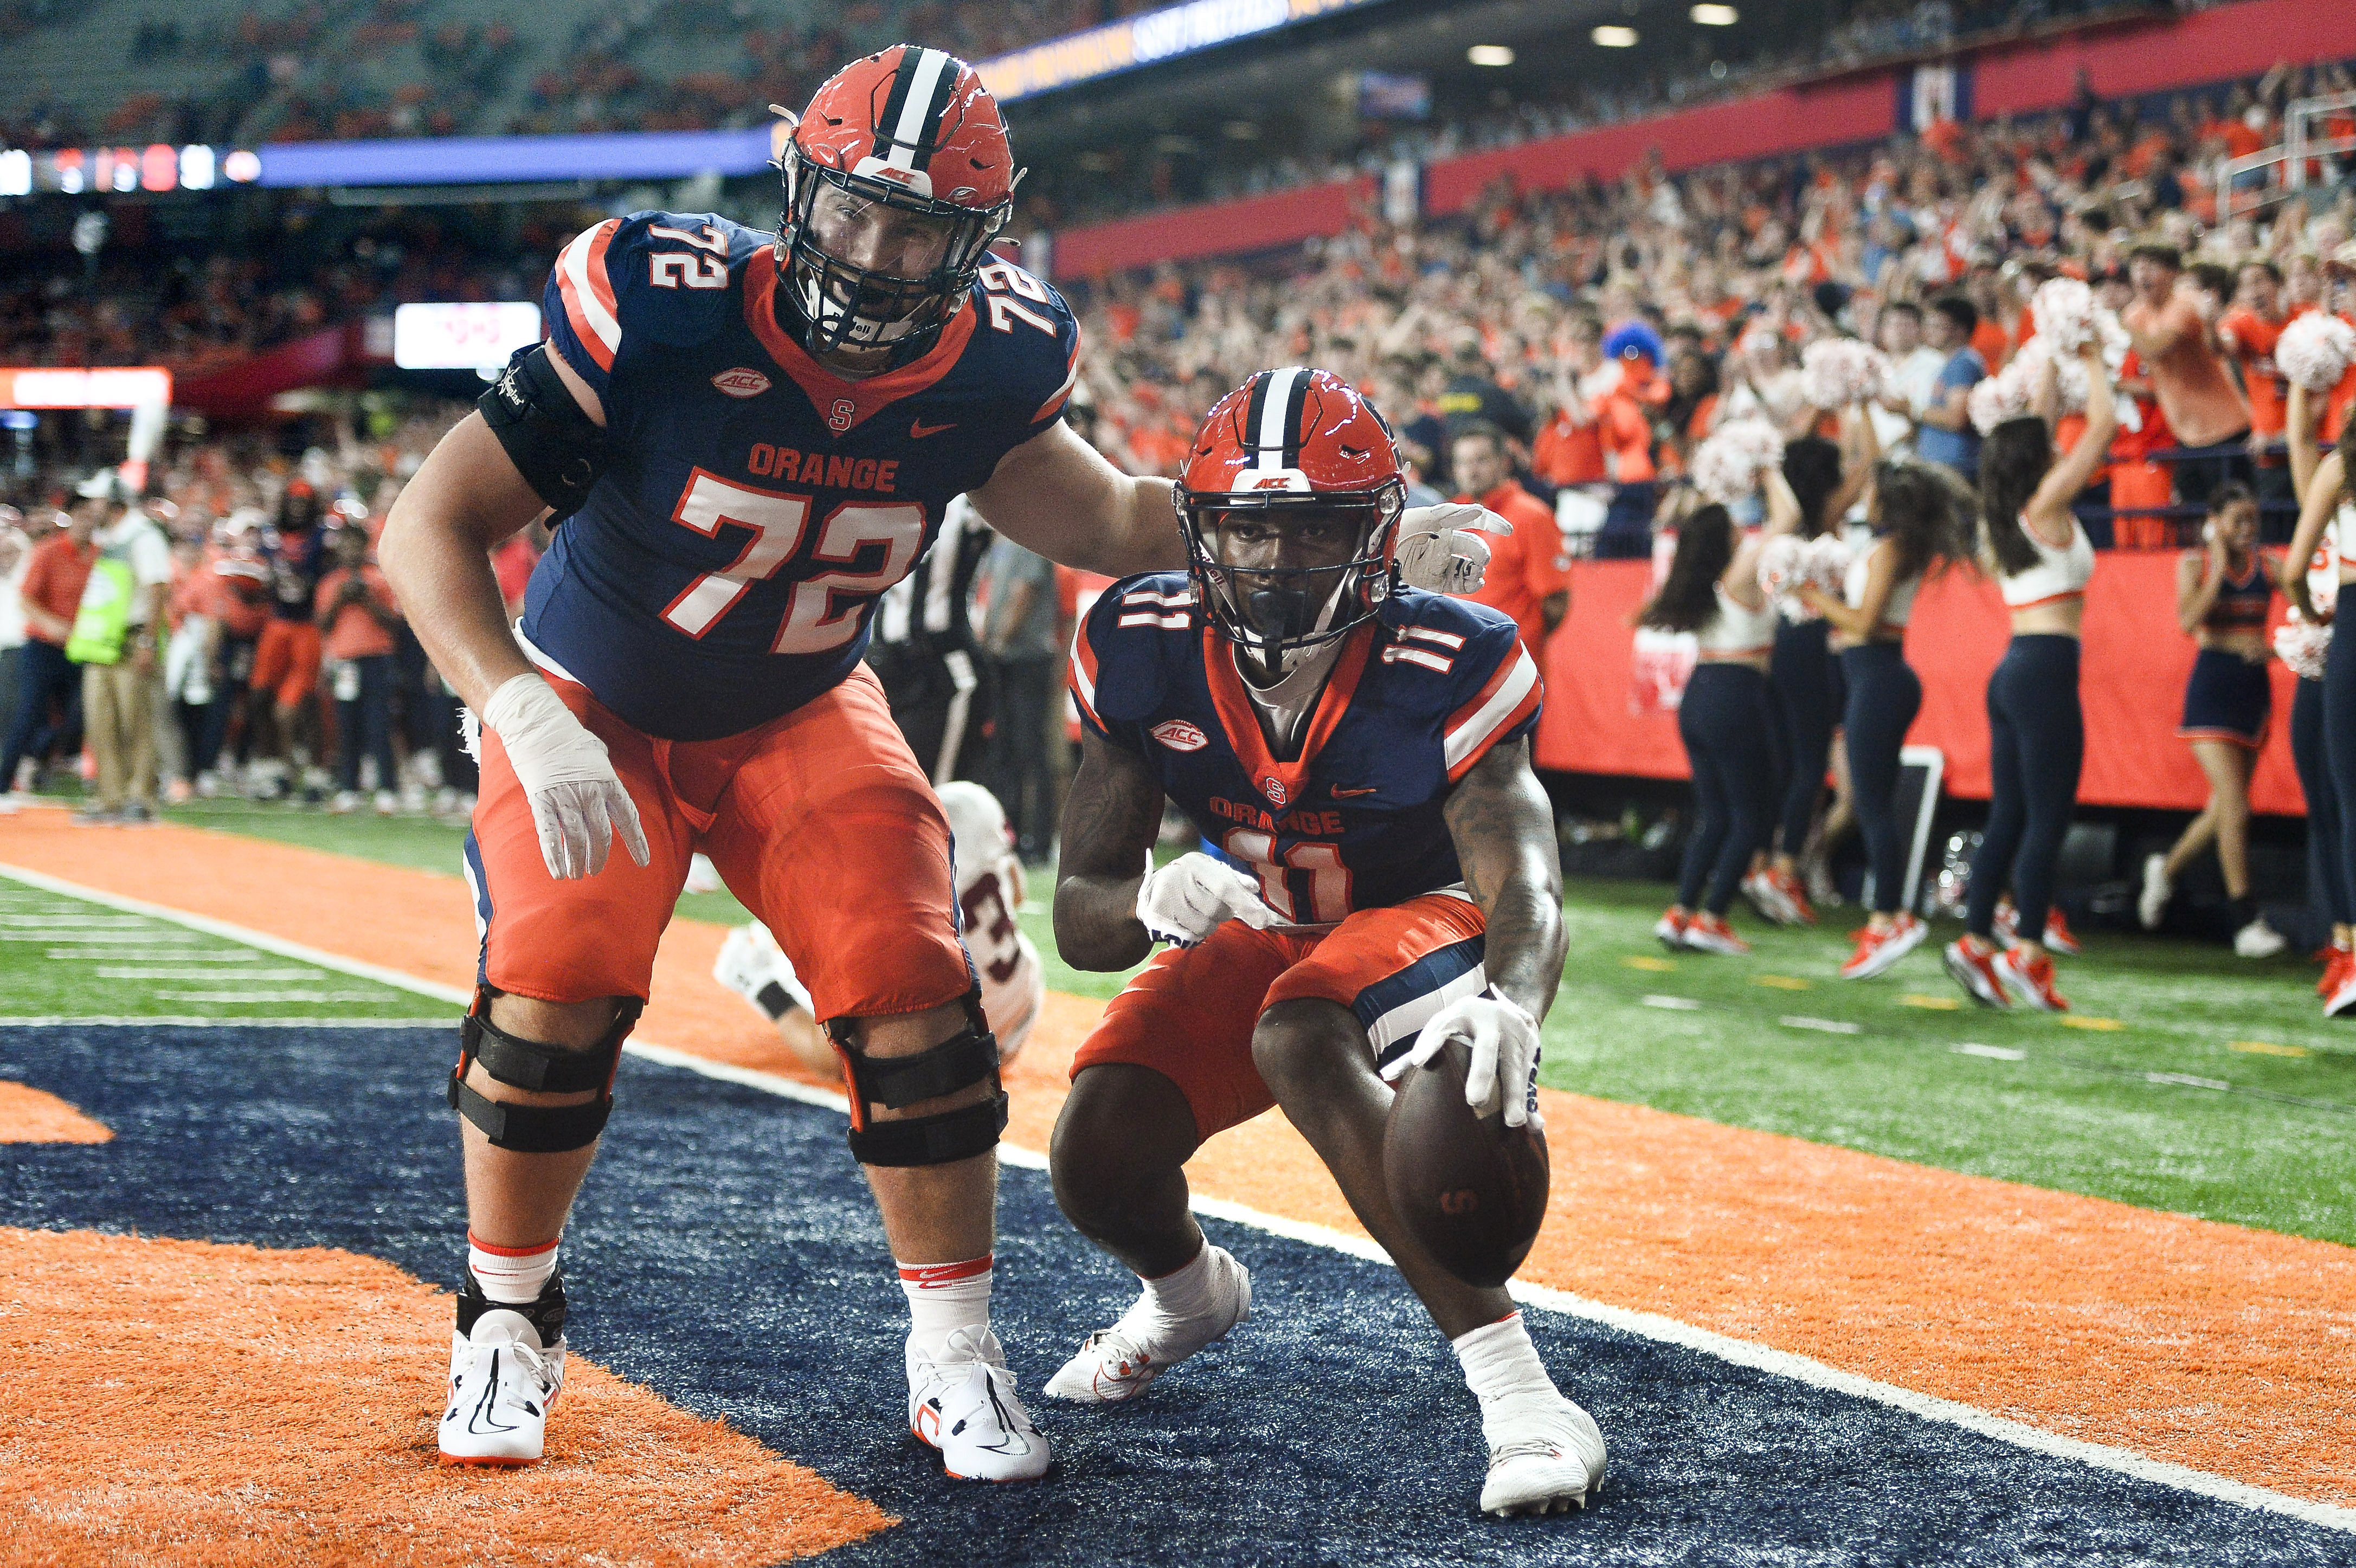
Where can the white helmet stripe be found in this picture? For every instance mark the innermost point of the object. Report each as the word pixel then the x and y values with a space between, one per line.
pixel 910 131
pixel 1279 415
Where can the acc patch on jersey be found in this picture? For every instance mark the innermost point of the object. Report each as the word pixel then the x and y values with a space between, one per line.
pixel 1180 736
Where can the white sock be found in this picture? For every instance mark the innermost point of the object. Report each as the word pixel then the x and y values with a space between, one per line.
pixel 1184 1293
pixel 1502 1366
pixel 943 1299
pixel 513 1275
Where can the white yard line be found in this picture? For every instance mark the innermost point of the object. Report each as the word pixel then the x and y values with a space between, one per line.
pixel 1643 1325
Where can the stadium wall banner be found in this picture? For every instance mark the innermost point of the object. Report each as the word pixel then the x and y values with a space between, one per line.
pixel 338 356
pixel 1599 718
pixel 1215 228
pixel 2161 55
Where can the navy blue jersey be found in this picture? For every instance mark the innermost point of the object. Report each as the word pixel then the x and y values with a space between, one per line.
pixel 755 504
pixel 1415 701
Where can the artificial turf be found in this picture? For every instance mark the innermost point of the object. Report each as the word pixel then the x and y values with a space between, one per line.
pixel 2209 1085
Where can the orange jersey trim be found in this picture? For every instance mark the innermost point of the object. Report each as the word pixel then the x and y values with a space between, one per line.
pixel 1242 725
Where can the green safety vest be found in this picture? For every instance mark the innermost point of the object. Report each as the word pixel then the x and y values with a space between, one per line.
pixel 102 624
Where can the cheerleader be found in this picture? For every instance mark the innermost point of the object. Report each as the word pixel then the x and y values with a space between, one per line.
pixel 2042 559
pixel 2328 512
pixel 1820 482
pixel 2222 596
pixel 1919 514
pixel 1712 590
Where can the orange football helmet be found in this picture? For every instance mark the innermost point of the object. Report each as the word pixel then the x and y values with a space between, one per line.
pixel 1288 452
pixel 913 132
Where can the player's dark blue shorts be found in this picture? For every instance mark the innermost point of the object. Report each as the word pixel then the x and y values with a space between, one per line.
pixel 2228 698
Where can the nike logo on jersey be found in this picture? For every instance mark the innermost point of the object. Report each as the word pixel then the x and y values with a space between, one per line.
pixel 1341 793
pixel 919 429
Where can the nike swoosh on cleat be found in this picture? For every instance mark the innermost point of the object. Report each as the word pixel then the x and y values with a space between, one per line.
pixel 919 429
pixel 478 1420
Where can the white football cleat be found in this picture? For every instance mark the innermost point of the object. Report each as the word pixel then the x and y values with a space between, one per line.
pixel 1120 1363
pixel 502 1382
pixel 2152 902
pixel 1542 1460
pixel 752 966
pixel 2259 940
pixel 964 1405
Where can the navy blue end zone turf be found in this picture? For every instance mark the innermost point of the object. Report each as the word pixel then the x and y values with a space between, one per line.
pixel 726 1254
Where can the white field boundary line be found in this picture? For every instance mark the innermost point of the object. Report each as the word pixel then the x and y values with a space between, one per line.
pixel 1643 1325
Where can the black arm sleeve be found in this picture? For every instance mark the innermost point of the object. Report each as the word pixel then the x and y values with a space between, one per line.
pixel 558 449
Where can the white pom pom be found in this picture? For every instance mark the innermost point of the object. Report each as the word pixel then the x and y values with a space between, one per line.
pixel 1828 561
pixel 1726 466
pixel 2315 351
pixel 1782 564
pixel 1838 371
pixel 1998 399
pixel 2303 645
pixel 2064 308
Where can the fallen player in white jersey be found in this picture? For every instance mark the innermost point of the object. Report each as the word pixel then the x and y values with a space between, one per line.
pixel 989 891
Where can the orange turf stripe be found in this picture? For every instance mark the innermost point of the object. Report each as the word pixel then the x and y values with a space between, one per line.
pixel 2208 1345
pixel 246 1406
pixel 30 1115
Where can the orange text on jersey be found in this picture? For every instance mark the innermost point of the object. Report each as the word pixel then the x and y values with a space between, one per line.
pixel 832 470
pixel 1307 823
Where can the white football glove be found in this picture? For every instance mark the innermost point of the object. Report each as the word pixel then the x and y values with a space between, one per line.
pixel 1441 549
pixel 577 802
pixel 1186 900
pixel 1505 1041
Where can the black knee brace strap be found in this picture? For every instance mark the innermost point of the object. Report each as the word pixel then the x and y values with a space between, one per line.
pixel 547 1069
pixel 894 1082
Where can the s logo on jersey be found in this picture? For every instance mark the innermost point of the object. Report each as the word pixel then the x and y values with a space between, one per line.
pixel 1180 736
pixel 838 417
pixel 742 382
pixel 1274 789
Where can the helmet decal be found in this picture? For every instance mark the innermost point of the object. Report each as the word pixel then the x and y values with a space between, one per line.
pixel 1273 418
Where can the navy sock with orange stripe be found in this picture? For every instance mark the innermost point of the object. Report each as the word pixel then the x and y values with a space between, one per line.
pixel 943 1299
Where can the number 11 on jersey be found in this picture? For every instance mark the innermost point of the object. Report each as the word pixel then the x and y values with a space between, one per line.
pixel 1311 878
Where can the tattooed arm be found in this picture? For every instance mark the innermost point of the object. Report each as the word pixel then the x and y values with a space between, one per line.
pixel 1110 817
pixel 1503 829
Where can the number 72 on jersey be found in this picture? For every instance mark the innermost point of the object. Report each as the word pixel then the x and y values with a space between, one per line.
pixel 822 613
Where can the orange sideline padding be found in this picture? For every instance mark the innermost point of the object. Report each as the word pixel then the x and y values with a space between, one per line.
pixel 2131 680
pixel 184 1403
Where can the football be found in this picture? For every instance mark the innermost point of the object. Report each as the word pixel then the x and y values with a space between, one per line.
pixel 1470 1189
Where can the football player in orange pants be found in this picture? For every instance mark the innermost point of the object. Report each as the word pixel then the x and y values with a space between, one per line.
pixel 1388 881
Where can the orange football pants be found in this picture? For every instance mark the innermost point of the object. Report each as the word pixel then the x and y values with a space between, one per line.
pixel 821 822
pixel 1189 1015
